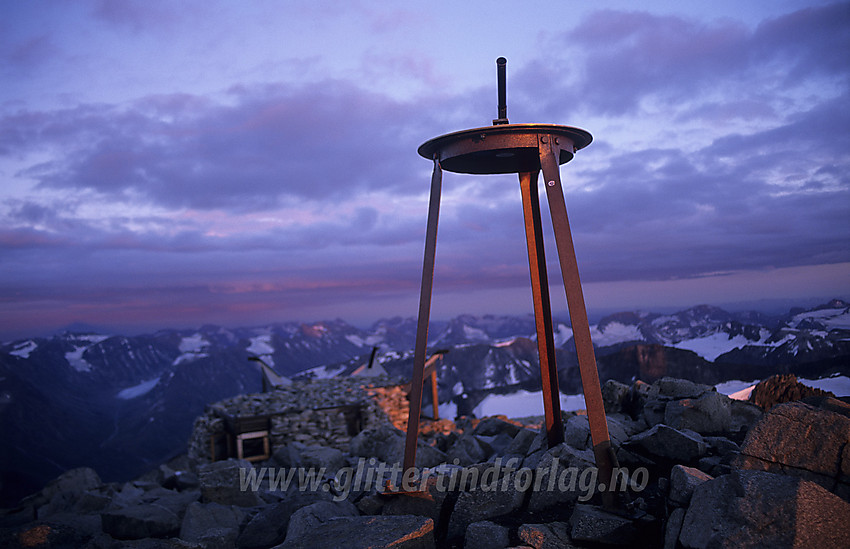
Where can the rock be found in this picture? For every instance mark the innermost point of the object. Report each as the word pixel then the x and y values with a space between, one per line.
pixel 222 482
pixel 614 395
pixel 593 524
pixel 140 521
pixel 722 446
pixel 428 504
pixel 744 416
pixel 318 457
pixel 577 432
pixel 780 389
pixel 683 481
pixel 554 535
pixel 468 450
pixel 486 535
pixel 760 509
pixel 708 414
pixel 480 504
pixel 386 443
pixel 521 442
pixel 799 439
pixel 491 426
pixel 396 532
pixel 203 521
pixel 677 388
pixel 673 528
pixel 268 527
pixel 563 475
pixel 668 443
pixel 306 520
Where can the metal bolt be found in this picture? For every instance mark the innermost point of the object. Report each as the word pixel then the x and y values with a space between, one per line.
pixel 556 141
pixel 483 136
pixel 543 140
pixel 551 183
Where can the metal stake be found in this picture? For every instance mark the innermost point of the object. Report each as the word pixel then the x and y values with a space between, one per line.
pixel 605 458
pixel 424 318
pixel 542 307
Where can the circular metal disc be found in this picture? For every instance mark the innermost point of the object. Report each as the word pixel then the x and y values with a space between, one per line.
pixel 506 148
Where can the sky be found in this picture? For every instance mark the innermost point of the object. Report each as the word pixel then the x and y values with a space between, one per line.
pixel 173 164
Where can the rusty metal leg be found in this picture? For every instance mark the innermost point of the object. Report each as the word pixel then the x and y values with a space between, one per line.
pixel 542 307
pixel 424 319
pixel 606 461
pixel 435 404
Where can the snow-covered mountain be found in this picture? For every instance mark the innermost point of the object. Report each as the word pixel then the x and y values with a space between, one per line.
pixel 122 404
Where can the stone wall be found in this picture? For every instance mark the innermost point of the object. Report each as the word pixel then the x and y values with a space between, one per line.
pixel 327 412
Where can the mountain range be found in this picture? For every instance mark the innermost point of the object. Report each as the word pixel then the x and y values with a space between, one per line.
pixel 123 404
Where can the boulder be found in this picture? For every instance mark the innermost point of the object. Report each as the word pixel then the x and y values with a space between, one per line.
pixel 480 504
pixel 140 521
pixel 491 426
pixel 554 535
pixel 780 389
pixel 669 443
pixel 764 510
pixel 386 443
pixel 486 535
pixel 306 520
pixel 205 521
pixel 322 457
pixel 223 482
pixel 564 475
pixel 683 481
pixel 614 395
pixel 397 532
pixel 468 450
pixel 674 388
pixel 594 524
pixel 710 413
pixel 521 442
pixel 673 528
pixel 799 439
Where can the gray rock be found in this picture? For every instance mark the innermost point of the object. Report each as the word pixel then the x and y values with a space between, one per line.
pixel 593 524
pixel 675 388
pixel 563 475
pixel 654 409
pixel 478 505
pixel 722 446
pixel 490 426
pixel 486 535
pixel 744 415
pixel 674 526
pixel 668 443
pixel 468 450
pixel 554 535
pixel 306 520
pixel 140 521
pixel 202 518
pixel 386 443
pixel 318 457
pixel 577 432
pixel 709 413
pixel 428 504
pixel 799 439
pixel 397 532
pixel 614 395
pixel 764 510
pixel 521 442
pixel 222 482
pixel 683 481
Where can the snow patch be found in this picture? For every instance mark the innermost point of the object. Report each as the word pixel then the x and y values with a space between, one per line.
pixel 355 340
pixel 262 346
pixel 322 372
pixel 188 357
pixel 24 349
pixel 712 346
pixel 524 404
pixel 76 360
pixel 613 333
pixel 193 344
pixel 838 385
pixel 562 334
pixel 137 390
pixel 474 334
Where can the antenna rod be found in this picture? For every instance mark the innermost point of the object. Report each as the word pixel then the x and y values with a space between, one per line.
pixel 501 64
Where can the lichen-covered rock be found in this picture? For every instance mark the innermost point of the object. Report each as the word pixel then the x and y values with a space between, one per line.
pixel 757 509
pixel 486 535
pixel 709 413
pixel 798 439
pixel 396 532
pixel 683 482
pixel 224 482
pixel 669 443
pixel 553 535
pixel 594 524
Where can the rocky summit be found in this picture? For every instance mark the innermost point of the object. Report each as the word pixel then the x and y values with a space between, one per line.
pixel 696 470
